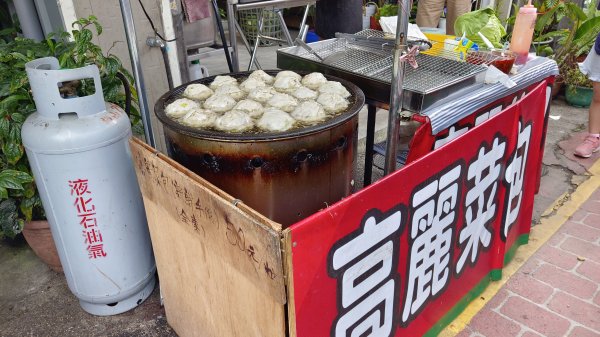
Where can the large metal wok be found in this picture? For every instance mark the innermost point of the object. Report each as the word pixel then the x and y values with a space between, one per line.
pixel 285 176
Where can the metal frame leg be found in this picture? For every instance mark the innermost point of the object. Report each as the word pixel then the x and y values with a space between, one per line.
pixel 232 37
pixel 396 90
pixel 372 113
pixel 246 44
pixel 303 26
pixel 222 34
pixel 136 70
pixel 284 28
pixel 258 35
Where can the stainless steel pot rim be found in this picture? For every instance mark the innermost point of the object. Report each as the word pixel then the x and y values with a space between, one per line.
pixel 159 110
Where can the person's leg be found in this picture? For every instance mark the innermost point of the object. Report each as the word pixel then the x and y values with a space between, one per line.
pixel 429 12
pixel 591 143
pixel 594 126
pixel 455 9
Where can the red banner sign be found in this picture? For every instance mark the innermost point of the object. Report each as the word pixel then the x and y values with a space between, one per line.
pixel 403 256
pixel 424 142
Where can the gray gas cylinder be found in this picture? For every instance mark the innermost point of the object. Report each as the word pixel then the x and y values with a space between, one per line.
pixel 79 154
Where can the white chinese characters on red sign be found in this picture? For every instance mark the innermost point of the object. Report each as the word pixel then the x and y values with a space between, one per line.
pixel 86 211
pixel 364 266
pixel 365 261
pixel 434 214
pixel 514 177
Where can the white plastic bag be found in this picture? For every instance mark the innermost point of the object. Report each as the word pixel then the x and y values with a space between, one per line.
pixel 494 75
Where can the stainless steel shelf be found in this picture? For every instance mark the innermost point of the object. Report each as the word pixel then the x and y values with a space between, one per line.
pixel 371 69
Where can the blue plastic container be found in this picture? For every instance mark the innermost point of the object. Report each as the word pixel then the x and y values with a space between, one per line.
pixel 311 36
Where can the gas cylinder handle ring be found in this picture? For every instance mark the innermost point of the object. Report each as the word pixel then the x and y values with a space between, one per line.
pixel 45 76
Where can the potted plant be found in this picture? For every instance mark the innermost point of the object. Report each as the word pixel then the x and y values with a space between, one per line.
pixel 19 200
pixel 578 38
pixel 579 91
pixel 383 10
pixel 573 42
pixel 550 13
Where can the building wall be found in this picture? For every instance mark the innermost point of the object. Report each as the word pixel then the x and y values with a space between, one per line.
pixel 113 40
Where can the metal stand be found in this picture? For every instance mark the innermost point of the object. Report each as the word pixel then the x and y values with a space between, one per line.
pixel 184 68
pixel 231 23
pixel 286 32
pixel 396 92
pixel 260 24
pixel 276 6
pixel 222 34
pixel 246 43
pixel 260 36
pixel 372 114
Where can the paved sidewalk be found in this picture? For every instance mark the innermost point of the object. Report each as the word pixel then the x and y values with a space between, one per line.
pixel 556 291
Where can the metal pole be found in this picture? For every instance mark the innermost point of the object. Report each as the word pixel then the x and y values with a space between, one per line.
pixel 284 28
pixel 246 43
pixel 397 91
pixel 182 56
pixel 304 33
pixel 231 21
pixel 28 19
pixel 137 70
pixel 371 119
pixel 222 35
pixel 303 25
pixel 257 40
pixel 158 42
pixel 165 55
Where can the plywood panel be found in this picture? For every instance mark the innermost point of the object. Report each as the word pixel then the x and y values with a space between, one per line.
pixel 220 267
pixel 286 243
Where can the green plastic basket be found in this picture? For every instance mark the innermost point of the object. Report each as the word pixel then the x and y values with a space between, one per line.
pixel 248 20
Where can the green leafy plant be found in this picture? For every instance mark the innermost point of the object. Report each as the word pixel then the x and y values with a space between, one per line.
pixel 576 78
pixel 386 10
pixel 578 90
pixel 10 223
pixel 19 200
pixel 578 39
pixel 484 21
pixel 9 24
pixel 550 13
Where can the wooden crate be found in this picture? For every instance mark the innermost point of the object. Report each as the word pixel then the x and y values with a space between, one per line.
pixel 220 263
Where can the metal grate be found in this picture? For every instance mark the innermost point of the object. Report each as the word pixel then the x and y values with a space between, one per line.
pixel 371 33
pixel 379 69
pixel 356 59
pixel 433 73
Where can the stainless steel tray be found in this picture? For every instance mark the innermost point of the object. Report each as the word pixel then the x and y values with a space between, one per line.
pixel 370 68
